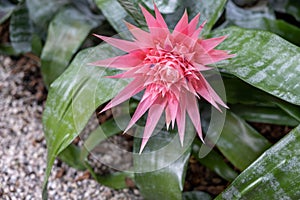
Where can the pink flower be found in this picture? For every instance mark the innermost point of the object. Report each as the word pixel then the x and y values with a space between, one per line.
pixel 167 65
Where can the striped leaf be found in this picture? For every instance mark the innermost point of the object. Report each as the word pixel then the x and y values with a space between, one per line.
pixel 263 60
pixel 20 29
pixel 274 175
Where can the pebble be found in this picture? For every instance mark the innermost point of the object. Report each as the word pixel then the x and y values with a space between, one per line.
pixel 23 149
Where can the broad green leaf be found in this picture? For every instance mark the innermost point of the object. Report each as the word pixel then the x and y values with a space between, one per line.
pixel 72 99
pixel 36 45
pixel 71 156
pixel 6 9
pixel 291 7
pixel 237 91
pixel 160 169
pixel 116 180
pixel 292 110
pixel 240 143
pixel 166 183
pixel 264 20
pixel 196 195
pixel 20 29
pixel 42 11
pixel 264 114
pixel 70 27
pixel 274 175
pixel 273 67
pixel 215 162
pixel 115 14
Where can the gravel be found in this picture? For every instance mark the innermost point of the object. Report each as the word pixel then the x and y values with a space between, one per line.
pixel 23 147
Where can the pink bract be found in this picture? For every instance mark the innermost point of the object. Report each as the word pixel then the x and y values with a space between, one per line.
pixel 167 66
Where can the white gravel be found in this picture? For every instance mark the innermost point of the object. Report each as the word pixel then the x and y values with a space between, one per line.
pixel 23 149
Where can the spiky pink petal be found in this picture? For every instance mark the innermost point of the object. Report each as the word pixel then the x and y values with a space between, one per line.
pixel 140 35
pixel 130 90
pixel 180 118
pixel 119 62
pixel 156 29
pixel 140 110
pixel 212 93
pixel 193 24
pixel 193 111
pixel 211 43
pixel 171 110
pixel 124 45
pixel 154 114
pixel 160 18
pixel 197 31
pixel 182 25
pixel 213 56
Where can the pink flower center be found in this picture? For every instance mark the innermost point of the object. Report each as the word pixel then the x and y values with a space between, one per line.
pixel 166 68
pixel 168 73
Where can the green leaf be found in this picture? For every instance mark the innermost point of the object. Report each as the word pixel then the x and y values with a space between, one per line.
pixel 115 14
pixel 292 110
pixel 274 66
pixel 20 29
pixel 160 170
pixel 36 45
pixel 215 162
pixel 166 183
pixel 291 7
pixel 67 111
pixel 42 11
pixel 71 156
pixel 196 195
pixel 274 175
pixel 264 20
pixel 116 180
pixel 237 91
pixel 6 9
pixel 264 114
pixel 240 143
pixel 66 32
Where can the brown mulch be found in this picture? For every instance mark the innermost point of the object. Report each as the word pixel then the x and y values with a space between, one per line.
pixel 200 178
pixel 272 132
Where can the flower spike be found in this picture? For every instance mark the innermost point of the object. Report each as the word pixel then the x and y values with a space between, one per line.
pixel 167 66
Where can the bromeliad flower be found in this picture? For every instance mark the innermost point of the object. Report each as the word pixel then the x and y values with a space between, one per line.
pixel 167 66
